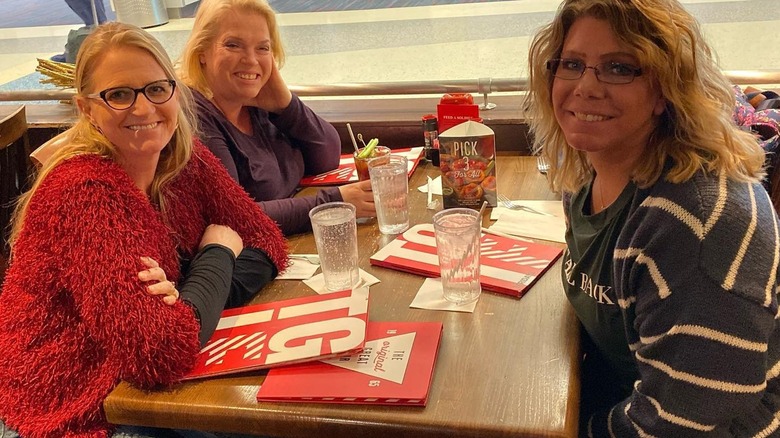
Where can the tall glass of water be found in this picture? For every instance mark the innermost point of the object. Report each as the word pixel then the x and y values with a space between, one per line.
pixel 390 185
pixel 458 232
pixel 335 234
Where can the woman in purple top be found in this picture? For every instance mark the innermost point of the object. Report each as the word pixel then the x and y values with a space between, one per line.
pixel 263 134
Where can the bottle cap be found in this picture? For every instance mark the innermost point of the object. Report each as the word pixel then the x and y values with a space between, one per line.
pixel 430 124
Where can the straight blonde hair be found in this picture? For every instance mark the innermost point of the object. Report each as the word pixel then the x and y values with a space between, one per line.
pixel 205 30
pixel 696 129
pixel 85 138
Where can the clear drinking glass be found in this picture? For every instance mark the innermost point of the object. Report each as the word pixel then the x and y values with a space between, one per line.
pixel 458 231
pixel 335 234
pixel 390 185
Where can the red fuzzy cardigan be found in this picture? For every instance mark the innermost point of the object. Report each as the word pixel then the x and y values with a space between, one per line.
pixel 76 319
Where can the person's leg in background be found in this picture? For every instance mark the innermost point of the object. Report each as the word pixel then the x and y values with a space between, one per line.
pixel 83 8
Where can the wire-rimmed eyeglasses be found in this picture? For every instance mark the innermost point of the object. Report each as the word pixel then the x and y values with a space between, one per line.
pixel 607 72
pixel 122 98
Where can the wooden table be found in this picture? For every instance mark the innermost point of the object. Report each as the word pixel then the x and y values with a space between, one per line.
pixel 509 369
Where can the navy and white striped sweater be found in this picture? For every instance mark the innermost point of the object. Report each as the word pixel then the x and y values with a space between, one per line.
pixel 696 276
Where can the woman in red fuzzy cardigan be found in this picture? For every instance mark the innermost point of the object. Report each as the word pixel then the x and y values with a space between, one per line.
pixel 77 315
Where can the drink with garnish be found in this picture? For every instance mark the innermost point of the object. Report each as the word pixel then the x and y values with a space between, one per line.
pixel 370 152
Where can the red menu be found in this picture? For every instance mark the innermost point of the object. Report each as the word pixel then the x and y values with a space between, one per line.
pixel 507 266
pixel 394 368
pixel 284 332
pixel 346 172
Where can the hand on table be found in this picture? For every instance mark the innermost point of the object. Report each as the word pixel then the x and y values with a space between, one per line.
pixel 161 284
pixel 359 194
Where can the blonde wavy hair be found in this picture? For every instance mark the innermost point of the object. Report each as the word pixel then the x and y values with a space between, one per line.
pixel 85 138
pixel 696 129
pixel 205 30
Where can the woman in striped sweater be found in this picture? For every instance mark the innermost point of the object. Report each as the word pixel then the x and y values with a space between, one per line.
pixel 672 258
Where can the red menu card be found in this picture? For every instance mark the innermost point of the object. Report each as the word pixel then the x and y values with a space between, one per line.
pixel 346 172
pixel 284 332
pixel 394 368
pixel 507 266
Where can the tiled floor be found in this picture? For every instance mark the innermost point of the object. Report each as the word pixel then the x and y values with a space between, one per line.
pixel 422 43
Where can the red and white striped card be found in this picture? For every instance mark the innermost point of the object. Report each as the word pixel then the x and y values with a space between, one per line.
pixel 508 266
pixel 346 172
pixel 285 332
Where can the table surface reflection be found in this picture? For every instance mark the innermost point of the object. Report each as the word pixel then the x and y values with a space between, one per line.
pixel 508 369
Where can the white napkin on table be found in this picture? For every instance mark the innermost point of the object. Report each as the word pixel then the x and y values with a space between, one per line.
pixel 535 226
pixel 318 282
pixel 298 270
pixel 431 297
pixel 435 186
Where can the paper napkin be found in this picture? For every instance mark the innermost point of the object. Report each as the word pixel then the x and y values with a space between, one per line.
pixel 298 270
pixel 536 226
pixel 318 282
pixel 435 186
pixel 431 297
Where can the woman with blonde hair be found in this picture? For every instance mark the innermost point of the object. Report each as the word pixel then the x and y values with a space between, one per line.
pixel 126 249
pixel 672 242
pixel 263 134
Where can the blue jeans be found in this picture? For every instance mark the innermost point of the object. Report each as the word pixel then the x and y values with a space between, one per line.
pixel 83 8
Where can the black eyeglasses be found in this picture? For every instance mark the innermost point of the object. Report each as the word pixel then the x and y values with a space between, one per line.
pixel 607 72
pixel 122 98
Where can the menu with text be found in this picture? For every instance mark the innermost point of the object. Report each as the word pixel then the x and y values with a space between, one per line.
pixel 394 368
pixel 285 332
pixel 507 266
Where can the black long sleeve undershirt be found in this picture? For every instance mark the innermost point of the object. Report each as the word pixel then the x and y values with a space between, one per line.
pixel 253 270
pixel 215 280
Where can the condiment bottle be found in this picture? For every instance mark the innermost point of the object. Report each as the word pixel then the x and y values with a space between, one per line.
pixel 431 134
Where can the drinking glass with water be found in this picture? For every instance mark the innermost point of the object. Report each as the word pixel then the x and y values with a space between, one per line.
pixel 335 234
pixel 390 185
pixel 458 232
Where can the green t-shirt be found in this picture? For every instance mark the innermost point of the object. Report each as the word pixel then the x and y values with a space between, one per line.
pixel 588 282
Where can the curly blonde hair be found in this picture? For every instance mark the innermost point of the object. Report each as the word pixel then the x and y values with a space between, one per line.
pixel 696 129
pixel 205 30
pixel 85 138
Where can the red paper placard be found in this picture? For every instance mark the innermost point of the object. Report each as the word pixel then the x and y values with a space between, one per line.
pixel 284 332
pixel 507 266
pixel 394 368
pixel 346 173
